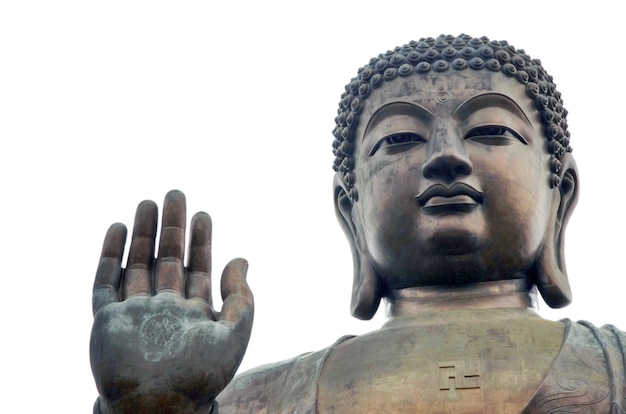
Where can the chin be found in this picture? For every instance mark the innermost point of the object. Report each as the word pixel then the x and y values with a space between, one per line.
pixel 453 243
pixel 464 265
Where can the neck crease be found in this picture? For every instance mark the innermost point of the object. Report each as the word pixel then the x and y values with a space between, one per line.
pixel 511 294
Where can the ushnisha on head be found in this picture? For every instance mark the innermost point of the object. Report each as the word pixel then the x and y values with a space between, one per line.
pixel 443 54
pixel 460 152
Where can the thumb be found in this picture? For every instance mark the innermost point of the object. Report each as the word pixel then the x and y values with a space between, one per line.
pixel 238 308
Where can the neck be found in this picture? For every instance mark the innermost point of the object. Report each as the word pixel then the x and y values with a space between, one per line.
pixel 513 294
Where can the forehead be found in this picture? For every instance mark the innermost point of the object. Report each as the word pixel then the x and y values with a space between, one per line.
pixel 447 93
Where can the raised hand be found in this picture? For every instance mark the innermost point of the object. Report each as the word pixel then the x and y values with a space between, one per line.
pixel 157 343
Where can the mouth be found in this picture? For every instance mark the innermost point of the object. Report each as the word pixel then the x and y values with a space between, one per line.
pixel 459 198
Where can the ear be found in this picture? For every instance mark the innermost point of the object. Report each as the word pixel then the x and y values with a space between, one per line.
pixel 550 273
pixel 366 286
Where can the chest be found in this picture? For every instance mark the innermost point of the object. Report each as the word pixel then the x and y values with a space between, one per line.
pixel 471 368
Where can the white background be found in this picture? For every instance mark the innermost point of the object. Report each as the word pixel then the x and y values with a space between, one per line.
pixel 104 104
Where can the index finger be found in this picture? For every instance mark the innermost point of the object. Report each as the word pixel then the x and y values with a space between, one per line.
pixel 199 257
pixel 169 269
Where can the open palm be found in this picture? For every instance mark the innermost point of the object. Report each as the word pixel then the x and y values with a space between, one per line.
pixel 157 343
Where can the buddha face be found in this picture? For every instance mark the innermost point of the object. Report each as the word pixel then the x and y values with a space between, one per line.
pixel 452 175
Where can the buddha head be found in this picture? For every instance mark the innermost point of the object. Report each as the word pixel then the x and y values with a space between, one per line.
pixel 453 167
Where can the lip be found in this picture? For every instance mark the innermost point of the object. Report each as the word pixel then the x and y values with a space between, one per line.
pixel 458 198
pixel 438 201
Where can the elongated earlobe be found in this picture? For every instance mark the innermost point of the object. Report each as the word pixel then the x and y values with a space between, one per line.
pixel 366 290
pixel 366 286
pixel 550 273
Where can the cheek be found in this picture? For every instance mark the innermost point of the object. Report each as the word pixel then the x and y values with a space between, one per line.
pixel 517 194
pixel 387 207
pixel 518 207
pixel 387 187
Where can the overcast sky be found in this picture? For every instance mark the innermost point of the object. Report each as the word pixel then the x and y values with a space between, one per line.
pixel 104 104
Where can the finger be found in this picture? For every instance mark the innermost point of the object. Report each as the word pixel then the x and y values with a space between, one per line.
pixel 169 270
pixel 238 308
pixel 199 256
pixel 109 273
pixel 137 274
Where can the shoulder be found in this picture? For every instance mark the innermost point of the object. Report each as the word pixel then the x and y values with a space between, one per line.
pixel 256 390
pixel 607 337
pixel 595 358
pixel 287 386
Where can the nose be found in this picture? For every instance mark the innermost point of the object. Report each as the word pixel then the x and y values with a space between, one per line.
pixel 447 158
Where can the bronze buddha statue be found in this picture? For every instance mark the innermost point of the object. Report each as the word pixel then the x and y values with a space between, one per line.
pixel 454 184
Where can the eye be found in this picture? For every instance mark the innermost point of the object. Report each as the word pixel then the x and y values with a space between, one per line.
pixel 494 135
pixel 398 142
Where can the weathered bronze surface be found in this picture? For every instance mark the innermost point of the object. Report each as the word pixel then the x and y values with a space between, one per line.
pixel 454 184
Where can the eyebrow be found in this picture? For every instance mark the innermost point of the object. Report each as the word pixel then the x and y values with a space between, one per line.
pixel 397 108
pixel 487 100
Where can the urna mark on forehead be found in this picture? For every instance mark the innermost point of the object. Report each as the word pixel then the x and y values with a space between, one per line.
pixel 454 54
